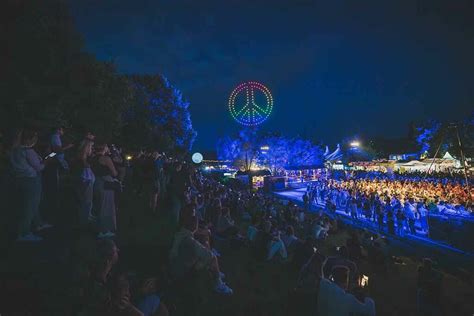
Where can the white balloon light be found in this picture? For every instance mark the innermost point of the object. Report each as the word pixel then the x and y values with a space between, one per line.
pixel 197 157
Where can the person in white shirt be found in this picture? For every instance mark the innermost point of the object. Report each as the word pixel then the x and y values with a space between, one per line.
pixel 277 247
pixel 423 211
pixel 333 299
pixel 26 166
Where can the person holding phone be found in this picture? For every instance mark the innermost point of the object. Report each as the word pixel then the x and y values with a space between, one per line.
pixel 51 155
pixel 51 183
pixel 27 167
pixel 334 298
pixel 58 147
pixel 341 258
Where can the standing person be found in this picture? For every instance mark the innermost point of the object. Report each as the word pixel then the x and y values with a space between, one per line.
pixel 389 214
pixel 380 215
pixel 423 211
pixel 176 192
pixel 400 222
pixel 104 191
pixel 51 183
pixel 26 167
pixel 89 136
pixel 119 163
pixel 353 206
pixel 57 147
pixel 85 179
pixel 409 210
pixel 306 201
pixel 157 181
pixel 390 220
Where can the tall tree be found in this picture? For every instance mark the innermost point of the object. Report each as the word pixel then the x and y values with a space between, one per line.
pixel 41 46
pixel 241 150
pixel 50 80
pixel 159 115
pixel 426 136
pixel 277 155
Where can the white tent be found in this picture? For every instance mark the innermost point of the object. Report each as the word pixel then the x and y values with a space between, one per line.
pixel 447 156
pixel 411 166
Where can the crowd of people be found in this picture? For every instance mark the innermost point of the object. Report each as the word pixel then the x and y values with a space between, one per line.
pixel 35 172
pixel 199 213
pixel 397 204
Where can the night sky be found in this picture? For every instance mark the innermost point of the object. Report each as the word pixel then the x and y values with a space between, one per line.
pixel 335 68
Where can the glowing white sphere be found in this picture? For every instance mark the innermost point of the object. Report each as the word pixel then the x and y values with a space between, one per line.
pixel 197 157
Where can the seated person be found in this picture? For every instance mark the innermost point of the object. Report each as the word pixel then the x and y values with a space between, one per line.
pixel 268 243
pixel 252 229
pixel 289 237
pixel 354 247
pixel 310 274
pixel 277 246
pixel 334 300
pixel 301 216
pixel 321 229
pixel 100 299
pixel 429 289
pixel 120 297
pixel 263 239
pixel 188 256
pixel 148 301
pixel 378 259
pixel 226 225
pixel 303 251
pixel 341 259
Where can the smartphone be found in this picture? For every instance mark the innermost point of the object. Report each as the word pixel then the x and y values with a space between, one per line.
pixel 338 248
pixel 364 280
pixel 51 155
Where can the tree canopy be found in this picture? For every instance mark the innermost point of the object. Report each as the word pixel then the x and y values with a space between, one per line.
pixel 249 149
pixel 49 80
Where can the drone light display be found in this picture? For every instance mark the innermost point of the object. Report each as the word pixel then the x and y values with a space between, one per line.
pixel 249 111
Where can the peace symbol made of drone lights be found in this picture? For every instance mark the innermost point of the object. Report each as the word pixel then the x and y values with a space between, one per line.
pixel 248 112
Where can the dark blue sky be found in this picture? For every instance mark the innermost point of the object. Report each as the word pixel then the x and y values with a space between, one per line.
pixel 335 68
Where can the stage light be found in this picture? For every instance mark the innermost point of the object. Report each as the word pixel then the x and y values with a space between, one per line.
pixel 355 144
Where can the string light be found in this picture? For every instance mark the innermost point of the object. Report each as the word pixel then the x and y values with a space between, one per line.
pixel 250 114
